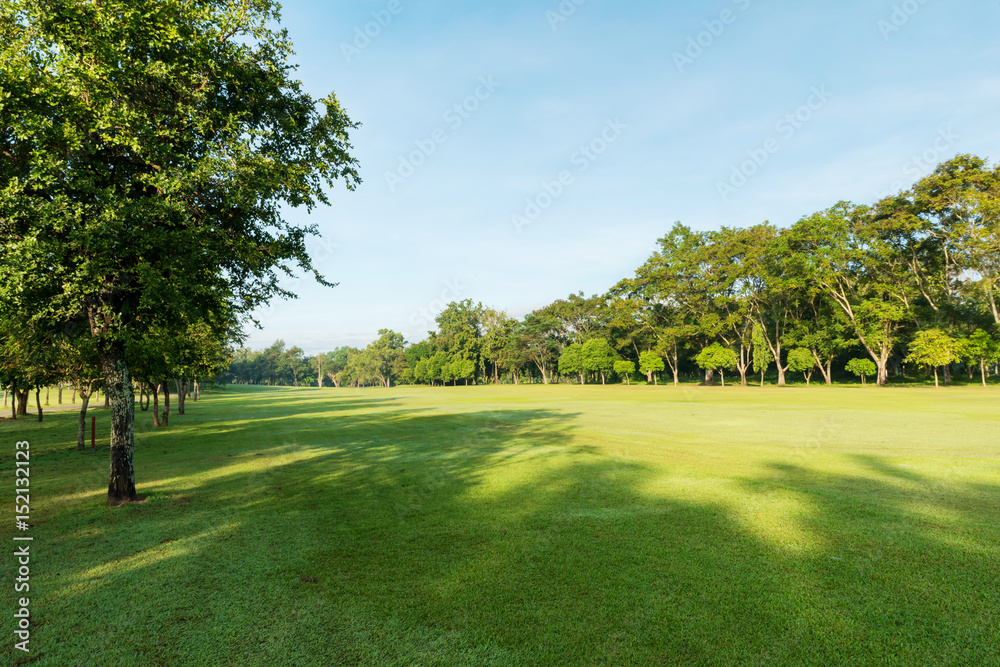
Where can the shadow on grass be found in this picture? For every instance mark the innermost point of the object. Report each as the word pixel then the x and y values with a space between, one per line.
pixel 491 538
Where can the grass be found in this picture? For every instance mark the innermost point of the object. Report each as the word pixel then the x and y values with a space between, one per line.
pixel 525 525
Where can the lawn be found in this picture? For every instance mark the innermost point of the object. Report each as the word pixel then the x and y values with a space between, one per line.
pixel 524 525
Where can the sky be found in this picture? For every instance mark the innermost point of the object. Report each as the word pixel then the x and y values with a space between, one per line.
pixel 514 153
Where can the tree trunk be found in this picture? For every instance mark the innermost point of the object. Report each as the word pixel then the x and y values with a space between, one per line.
pixel 59 394
pixel 72 396
pixel 179 384
pixel 935 378
pixel 722 374
pixel 744 365
pixel 143 392
pixel 118 386
pixel 38 401
pixel 982 371
pixel 196 394
pixel 777 362
pixel 825 371
pixel 5 390
pixel 107 398
pixel 81 431
pixel 709 376
pixel 947 374
pixel 22 401
pixel 156 404
pixel 47 402
pixel 165 418
pixel 883 369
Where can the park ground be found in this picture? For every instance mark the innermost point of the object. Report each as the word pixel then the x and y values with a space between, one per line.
pixel 523 525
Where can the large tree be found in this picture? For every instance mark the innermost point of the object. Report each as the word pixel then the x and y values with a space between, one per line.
pixel 848 254
pixel 149 148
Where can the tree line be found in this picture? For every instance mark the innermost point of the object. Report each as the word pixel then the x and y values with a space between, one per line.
pixel 905 286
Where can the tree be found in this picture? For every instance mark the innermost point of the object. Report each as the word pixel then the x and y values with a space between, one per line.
pixel 460 330
pixel 318 362
pixel 716 357
pixel 824 331
pixel 462 369
pixel 625 369
pixel 848 253
pixel 741 264
pixel 780 299
pixel 150 147
pixel 762 357
pixel 598 356
pixel 437 368
pixel 650 363
pixel 682 296
pixel 801 360
pixel 540 336
pixel 933 348
pixel 381 355
pixel 954 215
pixel 571 361
pixel 500 341
pixel 980 349
pixel 862 368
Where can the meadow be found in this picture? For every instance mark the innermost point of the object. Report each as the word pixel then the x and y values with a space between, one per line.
pixel 524 525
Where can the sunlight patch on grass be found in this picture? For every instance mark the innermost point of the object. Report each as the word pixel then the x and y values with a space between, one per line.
pixel 155 554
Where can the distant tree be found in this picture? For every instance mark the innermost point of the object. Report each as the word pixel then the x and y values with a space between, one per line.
pixel 933 348
pixel 856 259
pixel 571 361
pixel 762 356
pixel 541 342
pixel 862 368
pixel 337 363
pixel 380 358
pixel 716 357
pixel 437 367
pixel 318 362
pixel 980 349
pixel 462 369
pixel 625 369
pixel 598 356
pixel 650 363
pixel 801 360
pixel 460 330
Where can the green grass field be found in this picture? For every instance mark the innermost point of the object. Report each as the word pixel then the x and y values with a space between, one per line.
pixel 524 525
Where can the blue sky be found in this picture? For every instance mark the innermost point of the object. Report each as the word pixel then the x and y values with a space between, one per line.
pixel 515 152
